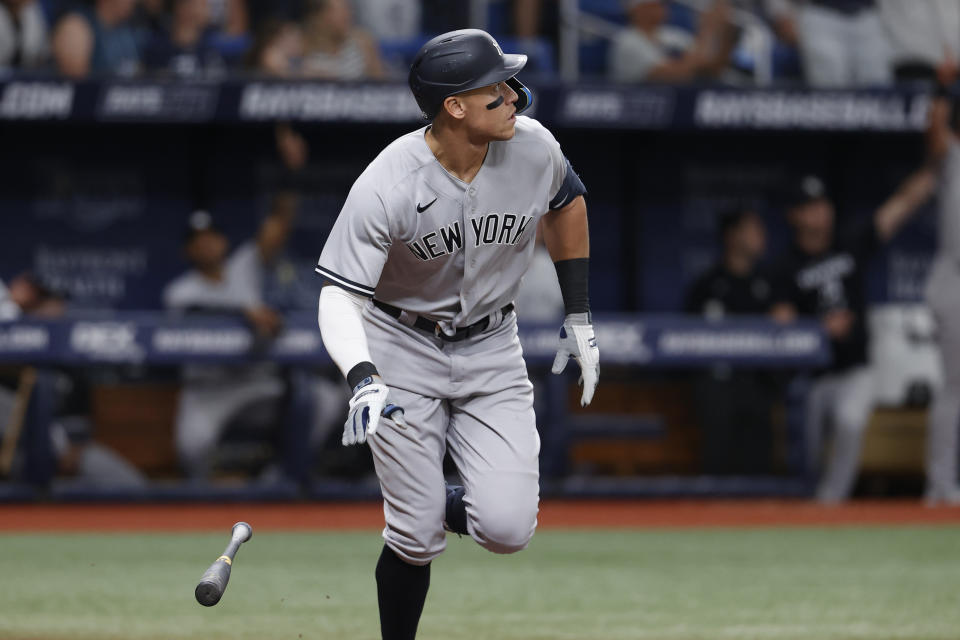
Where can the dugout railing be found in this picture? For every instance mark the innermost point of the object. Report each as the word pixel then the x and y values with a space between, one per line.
pixel 628 342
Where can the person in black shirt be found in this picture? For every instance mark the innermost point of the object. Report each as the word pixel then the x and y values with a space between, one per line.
pixel 733 406
pixel 823 276
pixel 734 285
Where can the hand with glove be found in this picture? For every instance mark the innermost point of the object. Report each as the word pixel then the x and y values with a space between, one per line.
pixel 577 341
pixel 369 402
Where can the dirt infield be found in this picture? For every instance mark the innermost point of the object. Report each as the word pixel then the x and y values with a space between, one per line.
pixel 553 514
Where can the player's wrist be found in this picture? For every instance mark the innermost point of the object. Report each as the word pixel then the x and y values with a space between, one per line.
pixel 573 276
pixel 359 374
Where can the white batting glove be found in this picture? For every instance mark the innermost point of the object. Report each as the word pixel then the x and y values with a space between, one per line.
pixel 368 403
pixel 578 342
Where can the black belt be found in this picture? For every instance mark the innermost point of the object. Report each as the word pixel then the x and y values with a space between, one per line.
pixel 429 326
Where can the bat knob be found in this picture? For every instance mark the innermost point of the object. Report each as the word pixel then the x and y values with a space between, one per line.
pixel 208 594
pixel 246 531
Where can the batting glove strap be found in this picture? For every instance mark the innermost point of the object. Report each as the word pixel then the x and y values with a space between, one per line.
pixel 578 341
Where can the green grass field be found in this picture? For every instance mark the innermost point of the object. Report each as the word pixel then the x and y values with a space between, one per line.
pixel 839 583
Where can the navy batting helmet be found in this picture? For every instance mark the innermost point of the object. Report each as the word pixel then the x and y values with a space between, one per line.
pixel 459 61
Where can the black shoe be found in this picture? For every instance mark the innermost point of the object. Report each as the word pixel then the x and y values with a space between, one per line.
pixel 455 519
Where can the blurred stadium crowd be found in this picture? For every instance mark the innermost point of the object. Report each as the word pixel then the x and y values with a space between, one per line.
pixel 740 413
pixel 826 43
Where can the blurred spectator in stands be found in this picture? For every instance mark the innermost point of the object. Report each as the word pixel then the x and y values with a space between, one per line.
pixel 212 396
pixel 277 50
pixel 843 43
pixel 229 17
pixel 187 48
pixel 535 25
pixel 780 14
pixel 641 52
pixel 97 38
pixel 734 406
pixel 23 35
pixel 942 294
pixel 389 19
pixel 924 35
pixel 335 49
pixel 527 17
pixel 823 277
pixel 150 19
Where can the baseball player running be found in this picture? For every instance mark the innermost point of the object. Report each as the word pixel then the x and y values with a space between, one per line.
pixel 421 269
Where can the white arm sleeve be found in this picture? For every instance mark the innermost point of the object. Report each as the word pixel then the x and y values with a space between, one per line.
pixel 341 327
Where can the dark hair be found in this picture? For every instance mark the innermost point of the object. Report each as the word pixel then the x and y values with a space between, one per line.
pixel 731 219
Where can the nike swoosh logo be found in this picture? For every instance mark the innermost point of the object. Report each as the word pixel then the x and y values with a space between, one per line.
pixel 425 207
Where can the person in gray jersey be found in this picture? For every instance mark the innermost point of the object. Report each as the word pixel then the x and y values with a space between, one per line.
pixel 942 293
pixel 212 395
pixel 421 270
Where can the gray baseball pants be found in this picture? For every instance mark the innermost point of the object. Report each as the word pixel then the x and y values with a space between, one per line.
pixel 473 397
pixel 841 401
pixel 943 297
pixel 206 408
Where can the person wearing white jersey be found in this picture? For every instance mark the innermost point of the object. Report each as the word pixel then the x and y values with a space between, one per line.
pixel 421 270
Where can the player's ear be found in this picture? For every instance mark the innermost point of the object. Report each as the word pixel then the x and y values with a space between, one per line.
pixel 454 106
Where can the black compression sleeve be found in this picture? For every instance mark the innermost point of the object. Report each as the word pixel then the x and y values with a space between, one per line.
pixel 573 276
pixel 359 372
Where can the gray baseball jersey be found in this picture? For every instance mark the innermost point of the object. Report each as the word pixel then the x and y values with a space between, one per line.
pixel 430 244
pixel 948 221
pixel 942 289
pixel 424 241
